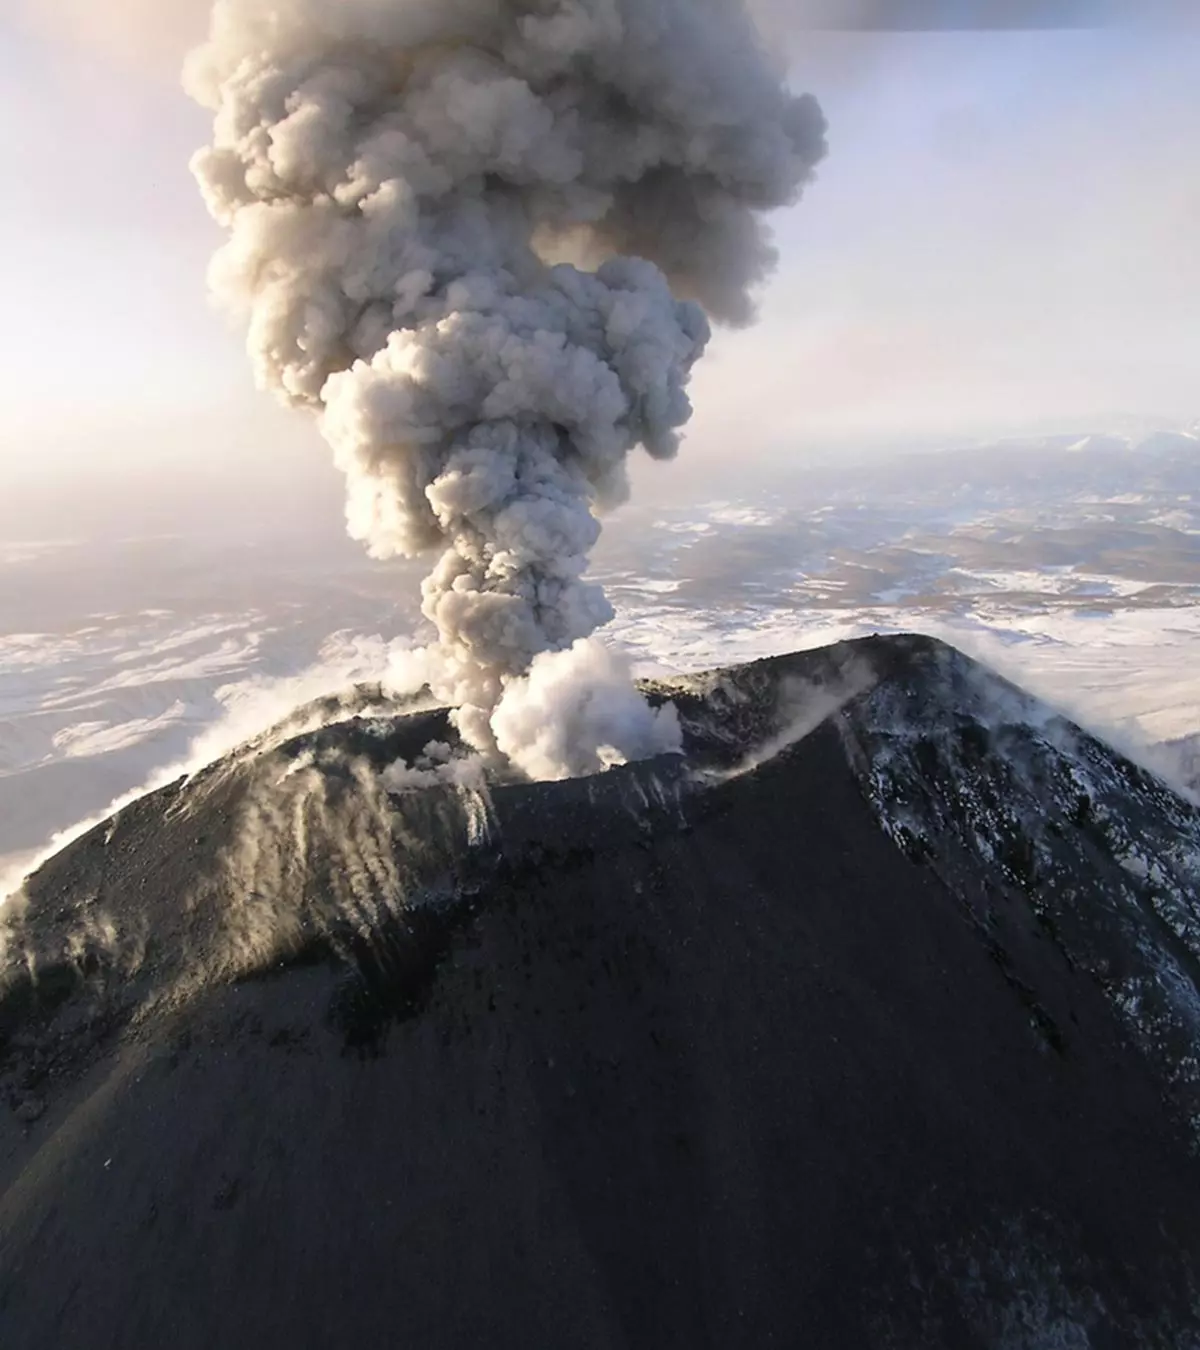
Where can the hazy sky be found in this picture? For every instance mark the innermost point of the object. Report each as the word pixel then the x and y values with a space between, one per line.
pixel 1007 231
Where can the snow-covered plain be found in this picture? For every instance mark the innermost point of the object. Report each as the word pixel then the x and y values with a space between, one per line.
pixel 1070 565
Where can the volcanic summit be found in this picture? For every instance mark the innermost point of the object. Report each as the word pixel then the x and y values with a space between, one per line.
pixel 868 1020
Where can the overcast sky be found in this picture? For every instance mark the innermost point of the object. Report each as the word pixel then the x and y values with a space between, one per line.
pixel 1007 232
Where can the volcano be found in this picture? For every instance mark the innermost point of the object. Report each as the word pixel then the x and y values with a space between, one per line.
pixel 871 1020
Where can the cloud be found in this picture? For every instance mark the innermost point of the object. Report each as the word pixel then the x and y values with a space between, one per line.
pixel 899 16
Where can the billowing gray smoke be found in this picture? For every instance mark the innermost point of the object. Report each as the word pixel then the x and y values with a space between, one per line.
pixel 480 239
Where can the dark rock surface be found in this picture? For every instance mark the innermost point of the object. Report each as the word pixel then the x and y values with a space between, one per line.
pixel 870 1023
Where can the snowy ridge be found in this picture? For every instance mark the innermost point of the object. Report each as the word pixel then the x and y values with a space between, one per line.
pixel 975 778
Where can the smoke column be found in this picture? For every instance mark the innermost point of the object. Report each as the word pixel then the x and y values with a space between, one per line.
pixel 482 240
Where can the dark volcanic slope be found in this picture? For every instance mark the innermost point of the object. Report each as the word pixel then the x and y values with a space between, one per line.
pixel 872 1025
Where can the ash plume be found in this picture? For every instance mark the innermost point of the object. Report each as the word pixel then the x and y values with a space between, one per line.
pixel 482 240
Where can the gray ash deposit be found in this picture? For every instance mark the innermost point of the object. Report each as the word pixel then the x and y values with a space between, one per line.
pixel 870 1020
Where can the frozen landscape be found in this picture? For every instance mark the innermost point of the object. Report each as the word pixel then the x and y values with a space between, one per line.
pixel 1070 563
pixel 599 698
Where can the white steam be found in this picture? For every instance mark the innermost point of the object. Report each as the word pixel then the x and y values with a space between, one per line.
pixel 578 712
pixel 480 240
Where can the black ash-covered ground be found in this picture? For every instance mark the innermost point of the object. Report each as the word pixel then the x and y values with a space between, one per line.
pixel 865 1024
